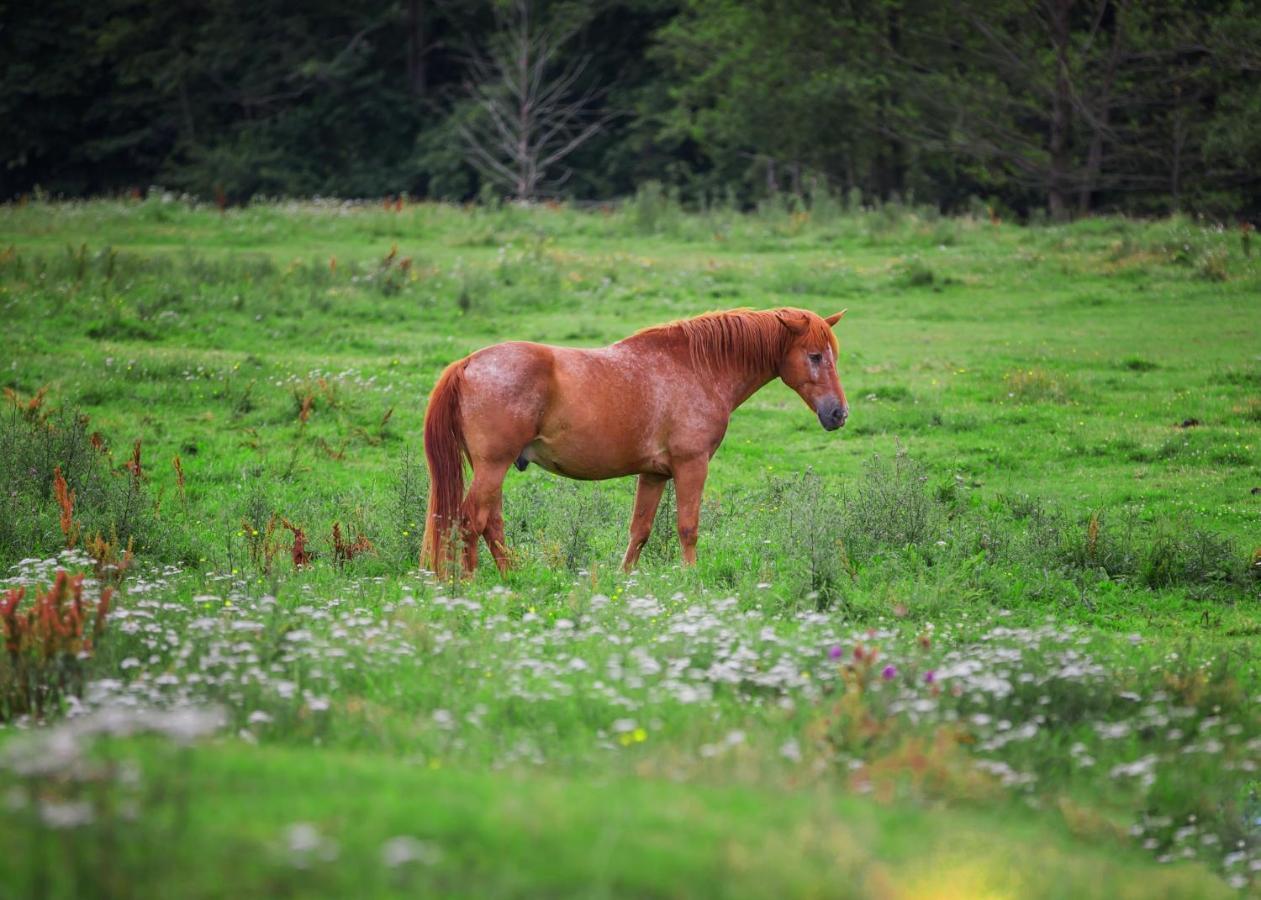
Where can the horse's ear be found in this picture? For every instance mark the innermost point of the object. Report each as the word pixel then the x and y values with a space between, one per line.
pixel 794 320
pixel 835 317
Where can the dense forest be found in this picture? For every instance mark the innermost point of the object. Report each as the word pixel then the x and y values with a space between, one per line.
pixel 1035 108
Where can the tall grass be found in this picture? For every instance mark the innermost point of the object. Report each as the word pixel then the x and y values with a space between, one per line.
pixel 110 495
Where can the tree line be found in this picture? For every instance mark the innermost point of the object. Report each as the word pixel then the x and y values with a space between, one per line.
pixel 1052 108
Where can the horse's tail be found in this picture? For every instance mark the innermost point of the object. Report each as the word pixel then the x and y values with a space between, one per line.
pixel 445 452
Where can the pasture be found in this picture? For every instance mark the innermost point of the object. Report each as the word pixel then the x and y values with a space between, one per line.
pixel 995 637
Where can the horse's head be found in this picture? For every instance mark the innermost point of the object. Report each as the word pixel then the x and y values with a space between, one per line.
pixel 809 365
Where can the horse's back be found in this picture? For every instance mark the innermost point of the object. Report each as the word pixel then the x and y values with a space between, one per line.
pixel 514 367
pixel 582 413
pixel 523 369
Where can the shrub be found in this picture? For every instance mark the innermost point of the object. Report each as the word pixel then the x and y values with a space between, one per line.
pixel 825 206
pixel 812 536
pixel 915 273
pixel 653 210
pixel 1195 557
pixel 893 393
pixel 405 521
pixel 1211 265
pixel 1097 547
pixel 1036 386
pixel 823 534
pixel 1251 409
pixel 58 477
pixel 891 505
pixel 945 233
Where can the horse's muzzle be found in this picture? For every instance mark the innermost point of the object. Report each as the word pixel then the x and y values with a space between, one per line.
pixel 832 415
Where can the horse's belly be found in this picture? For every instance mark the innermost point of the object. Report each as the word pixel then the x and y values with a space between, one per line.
pixel 591 458
pixel 608 416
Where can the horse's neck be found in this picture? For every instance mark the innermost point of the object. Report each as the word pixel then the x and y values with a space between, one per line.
pixel 731 379
pixel 734 382
pixel 741 385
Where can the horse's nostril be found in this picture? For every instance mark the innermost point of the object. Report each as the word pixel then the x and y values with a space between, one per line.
pixel 832 417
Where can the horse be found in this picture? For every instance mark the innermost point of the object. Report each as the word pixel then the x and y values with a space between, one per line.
pixel 655 405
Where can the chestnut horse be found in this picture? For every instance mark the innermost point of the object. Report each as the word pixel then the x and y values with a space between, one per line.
pixel 654 405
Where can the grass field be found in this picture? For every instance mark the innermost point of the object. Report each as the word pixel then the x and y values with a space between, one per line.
pixel 997 637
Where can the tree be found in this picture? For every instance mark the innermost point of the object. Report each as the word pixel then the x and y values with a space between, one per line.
pixel 51 82
pixel 532 109
pixel 780 87
pixel 271 100
pixel 1000 83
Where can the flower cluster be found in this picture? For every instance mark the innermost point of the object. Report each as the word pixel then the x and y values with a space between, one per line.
pixel 965 708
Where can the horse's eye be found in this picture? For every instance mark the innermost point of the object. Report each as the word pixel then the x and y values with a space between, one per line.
pixel 816 358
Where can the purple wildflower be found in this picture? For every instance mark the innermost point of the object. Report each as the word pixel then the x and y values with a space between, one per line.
pixel 834 652
pixel 930 676
pixel 888 673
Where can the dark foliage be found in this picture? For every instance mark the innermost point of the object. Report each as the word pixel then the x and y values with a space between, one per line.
pixel 1009 107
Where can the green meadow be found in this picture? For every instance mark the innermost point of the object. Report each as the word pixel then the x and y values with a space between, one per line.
pixel 997 637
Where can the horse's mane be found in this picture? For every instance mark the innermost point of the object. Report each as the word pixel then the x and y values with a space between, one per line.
pixel 743 337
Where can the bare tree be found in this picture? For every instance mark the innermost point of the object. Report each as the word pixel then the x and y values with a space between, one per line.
pixel 1061 109
pixel 532 110
pixel 417 48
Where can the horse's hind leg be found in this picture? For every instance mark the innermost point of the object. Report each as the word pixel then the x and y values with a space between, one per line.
pixel 482 513
pixel 494 535
pixel 647 496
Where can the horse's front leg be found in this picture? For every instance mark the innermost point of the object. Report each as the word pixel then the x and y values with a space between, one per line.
pixel 647 496
pixel 689 484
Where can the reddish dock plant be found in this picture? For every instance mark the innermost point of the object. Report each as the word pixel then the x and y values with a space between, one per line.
pixel 46 644
pixel 343 550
